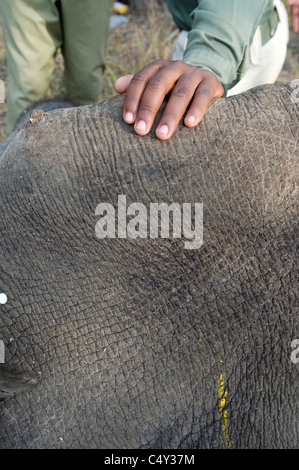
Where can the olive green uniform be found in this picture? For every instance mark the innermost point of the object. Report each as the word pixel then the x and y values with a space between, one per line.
pixel 221 32
pixel 34 30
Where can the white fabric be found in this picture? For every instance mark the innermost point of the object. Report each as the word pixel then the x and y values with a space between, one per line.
pixel 266 61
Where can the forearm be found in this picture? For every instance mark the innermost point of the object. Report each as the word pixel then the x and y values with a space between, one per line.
pixel 221 35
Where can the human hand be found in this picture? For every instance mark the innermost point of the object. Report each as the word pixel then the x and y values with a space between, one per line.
pixel 145 92
pixel 295 14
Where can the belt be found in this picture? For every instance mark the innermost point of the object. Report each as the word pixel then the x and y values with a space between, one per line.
pixel 269 28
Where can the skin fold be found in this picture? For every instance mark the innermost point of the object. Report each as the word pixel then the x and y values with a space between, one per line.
pixel 141 343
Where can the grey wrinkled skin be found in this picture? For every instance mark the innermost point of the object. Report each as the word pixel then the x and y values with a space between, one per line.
pixel 13 382
pixel 142 343
pixel 46 106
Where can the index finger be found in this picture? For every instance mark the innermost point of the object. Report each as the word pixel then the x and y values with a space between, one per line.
pixel 136 88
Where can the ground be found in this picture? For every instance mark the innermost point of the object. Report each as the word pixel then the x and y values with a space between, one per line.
pixel 147 35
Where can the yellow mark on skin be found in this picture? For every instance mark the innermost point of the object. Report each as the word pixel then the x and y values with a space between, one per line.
pixel 223 416
pixel 222 394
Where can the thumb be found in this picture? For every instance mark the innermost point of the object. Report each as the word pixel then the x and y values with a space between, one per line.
pixel 122 84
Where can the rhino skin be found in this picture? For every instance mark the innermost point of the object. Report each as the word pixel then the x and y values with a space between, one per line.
pixel 45 106
pixel 141 343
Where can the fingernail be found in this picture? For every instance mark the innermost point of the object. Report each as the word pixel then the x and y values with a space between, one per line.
pixel 191 119
pixel 129 117
pixel 163 130
pixel 140 126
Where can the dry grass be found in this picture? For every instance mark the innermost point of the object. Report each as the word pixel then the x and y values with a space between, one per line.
pixel 145 37
pixel 149 34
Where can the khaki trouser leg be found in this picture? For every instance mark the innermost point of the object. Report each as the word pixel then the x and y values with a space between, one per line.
pixel 32 35
pixel 34 30
pixel 85 38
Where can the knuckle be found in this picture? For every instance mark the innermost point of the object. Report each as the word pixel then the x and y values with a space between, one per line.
pixel 182 92
pixel 146 108
pixel 139 77
pixel 179 63
pixel 156 83
pixel 158 62
pixel 211 79
pixel 204 91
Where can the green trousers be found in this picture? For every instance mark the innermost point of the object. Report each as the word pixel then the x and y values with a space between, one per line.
pixel 33 32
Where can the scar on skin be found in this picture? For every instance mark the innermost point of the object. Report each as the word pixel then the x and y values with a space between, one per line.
pixel 36 115
pixel 222 394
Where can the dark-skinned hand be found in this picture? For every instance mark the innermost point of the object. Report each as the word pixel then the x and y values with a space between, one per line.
pixel 190 89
